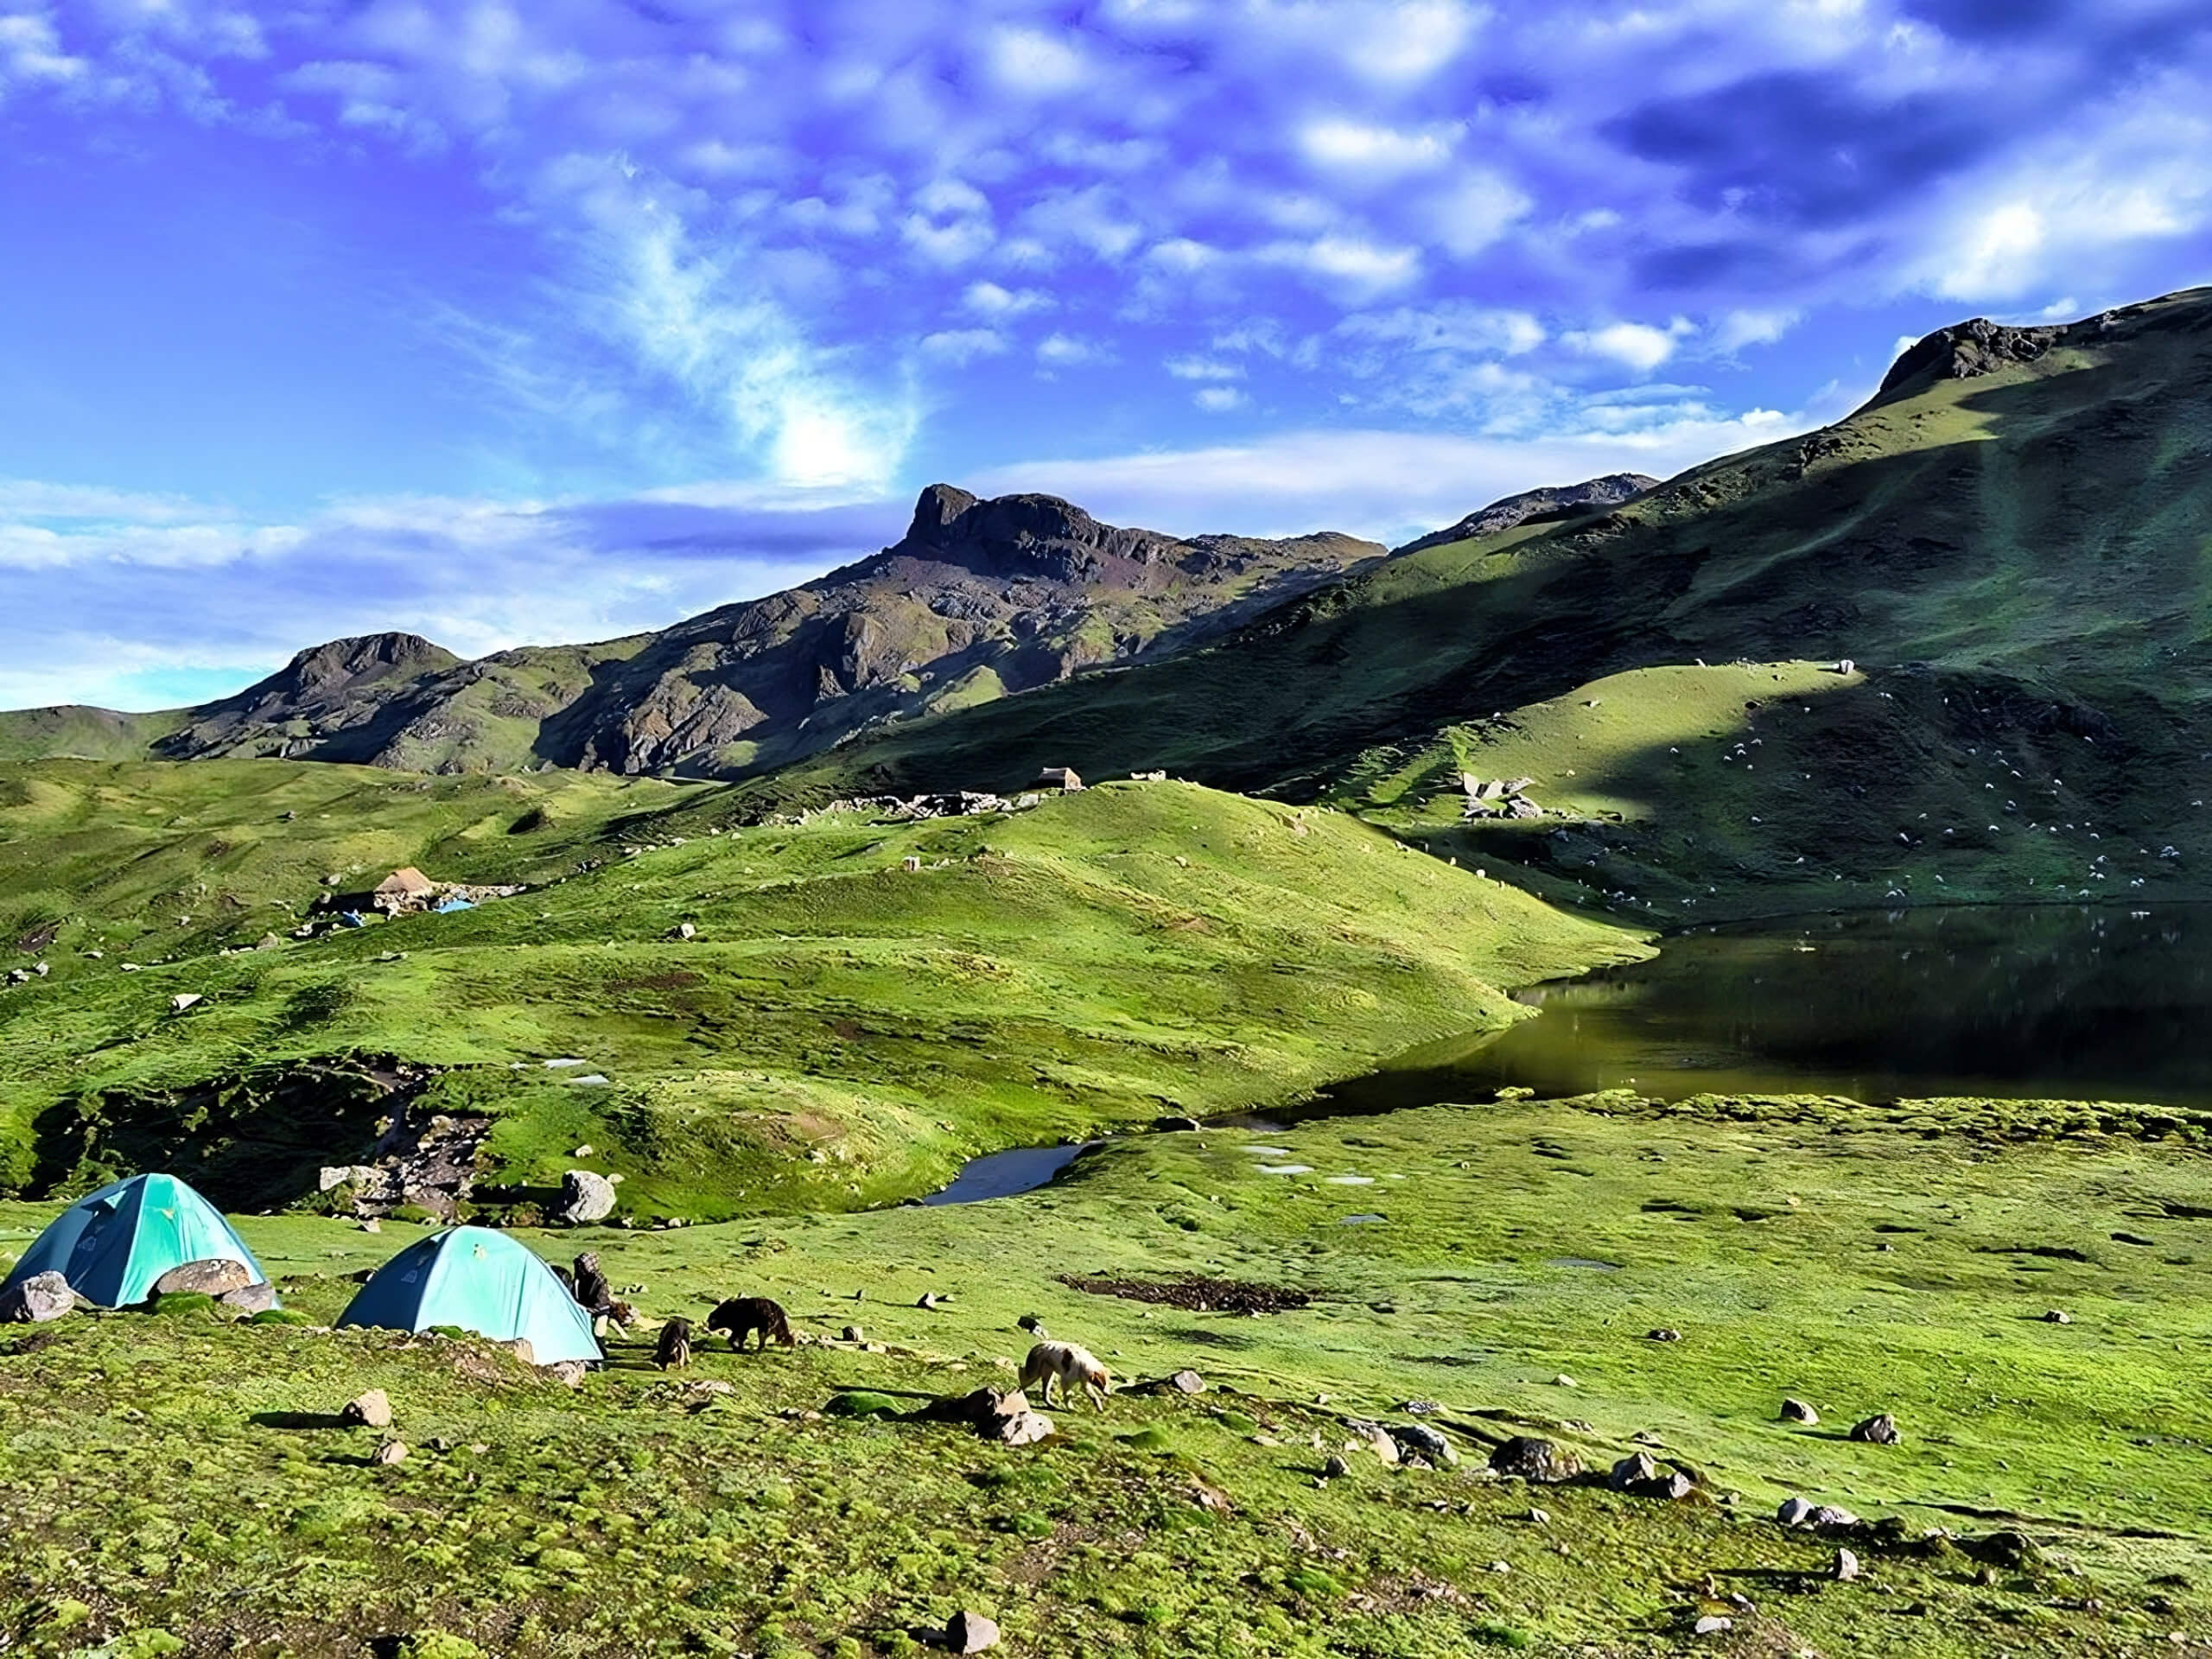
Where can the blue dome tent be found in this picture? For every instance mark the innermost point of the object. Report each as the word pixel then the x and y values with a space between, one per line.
pixel 480 1280
pixel 114 1243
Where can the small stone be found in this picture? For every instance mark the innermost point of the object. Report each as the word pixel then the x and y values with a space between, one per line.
pixel 1336 1468
pixel 1032 1323
pixel 1563 1380
pixel 370 1410
pixel 184 1000
pixel 1796 1411
pixel 1500 1567
pixel 1794 1512
pixel 392 1452
pixel 852 1334
pixel 1829 1518
pixel 928 1301
pixel 1881 1430
pixel 1379 1442
pixel 1663 1334
pixel 971 1632
pixel 1713 1624
pixel 1541 1517
pixel 1019 1428
pixel 2058 1316
pixel 250 1298
pixel 371 1226
pixel 584 1151
pixel 1187 1381
pixel 1847 1566
pixel 1421 1439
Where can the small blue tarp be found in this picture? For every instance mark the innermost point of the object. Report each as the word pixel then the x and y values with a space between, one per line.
pixel 452 905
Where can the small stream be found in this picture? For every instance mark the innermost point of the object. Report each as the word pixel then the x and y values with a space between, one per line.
pixel 2081 1002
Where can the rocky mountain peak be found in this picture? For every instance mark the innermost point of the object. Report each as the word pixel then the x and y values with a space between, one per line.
pixel 361 657
pixel 1552 501
pixel 1967 349
pixel 1037 537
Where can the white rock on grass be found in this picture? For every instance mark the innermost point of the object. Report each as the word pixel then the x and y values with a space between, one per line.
pixel 1285 1169
pixel 1350 1180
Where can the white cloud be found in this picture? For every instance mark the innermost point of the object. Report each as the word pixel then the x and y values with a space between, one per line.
pixel 989 300
pixel 1193 367
pixel 1061 351
pixel 1217 400
pixel 1760 328
pixel 1633 345
pixel 1349 265
pixel 1032 63
pixel 1386 485
pixel 1383 152
pixel 962 346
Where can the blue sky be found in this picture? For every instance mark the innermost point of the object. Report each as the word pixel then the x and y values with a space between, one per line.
pixel 505 322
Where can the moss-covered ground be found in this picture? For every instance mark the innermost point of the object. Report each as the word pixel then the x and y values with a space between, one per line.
pixel 172 1484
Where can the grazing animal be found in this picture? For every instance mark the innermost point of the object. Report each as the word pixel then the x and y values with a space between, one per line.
pixel 1064 1364
pixel 621 1315
pixel 674 1349
pixel 592 1292
pixel 741 1316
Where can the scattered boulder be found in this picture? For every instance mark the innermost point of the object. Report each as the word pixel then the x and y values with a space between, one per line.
pixel 184 1000
pixel 1336 1468
pixel 1672 1487
pixel 1187 1381
pixel 852 1334
pixel 392 1452
pixel 927 1302
pixel 1879 1430
pixel 250 1298
pixel 216 1275
pixel 586 1197
pixel 568 1372
pixel 1424 1441
pixel 1031 1323
pixel 2058 1316
pixel 971 1632
pixel 1632 1470
pixel 1845 1568
pixel 1174 1121
pixel 1663 1334
pixel 1829 1518
pixel 370 1410
pixel 1374 1438
pixel 1020 1428
pixel 1527 1456
pixel 35 1300
pixel 1794 1512
pixel 1713 1624
pixel 1796 1411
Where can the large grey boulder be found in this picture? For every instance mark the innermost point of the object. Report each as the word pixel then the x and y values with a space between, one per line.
pixel 1017 1428
pixel 35 1300
pixel 215 1276
pixel 585 1197
pixel 1529 1458
pixel 971 1632
pixel 1425 1442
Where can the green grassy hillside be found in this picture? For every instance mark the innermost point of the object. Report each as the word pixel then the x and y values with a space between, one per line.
pixel 838 1031
pixel 181 1486
pixel 2015 560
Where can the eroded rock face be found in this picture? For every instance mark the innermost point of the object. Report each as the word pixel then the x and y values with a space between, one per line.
pixel 1560 501
pixel 1530 1458
pixel 1967 349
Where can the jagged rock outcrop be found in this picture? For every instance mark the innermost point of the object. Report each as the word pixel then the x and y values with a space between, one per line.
pixel 1974 347
pixel 979 598
pixel 1552 502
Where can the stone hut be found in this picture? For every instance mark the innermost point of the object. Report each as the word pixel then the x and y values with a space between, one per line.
pixel 404 890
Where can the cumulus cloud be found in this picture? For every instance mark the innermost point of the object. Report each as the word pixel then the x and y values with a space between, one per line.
pixel 1635 346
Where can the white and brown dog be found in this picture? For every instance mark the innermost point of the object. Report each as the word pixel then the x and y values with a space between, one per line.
pixel 1064 1364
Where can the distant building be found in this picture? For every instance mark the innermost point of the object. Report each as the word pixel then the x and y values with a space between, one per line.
pixel 1061 777
pixel 404 890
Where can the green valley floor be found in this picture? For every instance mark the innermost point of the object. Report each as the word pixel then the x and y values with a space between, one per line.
pixel 176 1485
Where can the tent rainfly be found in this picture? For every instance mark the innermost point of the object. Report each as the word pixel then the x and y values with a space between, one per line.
pixel 480 1280
pixel 112 1245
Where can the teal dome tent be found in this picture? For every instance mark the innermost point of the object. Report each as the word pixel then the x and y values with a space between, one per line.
pixel 483 1282
pixel 113 1245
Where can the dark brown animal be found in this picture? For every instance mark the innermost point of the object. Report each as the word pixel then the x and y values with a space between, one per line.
pixel 568 1280
pixel 593 1294
pixel 674 1349
pixel 742 1316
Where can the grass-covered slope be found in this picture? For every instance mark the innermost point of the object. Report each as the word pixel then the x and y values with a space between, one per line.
pixel 2009 544
pixel 178 1486
pixel 838 1030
